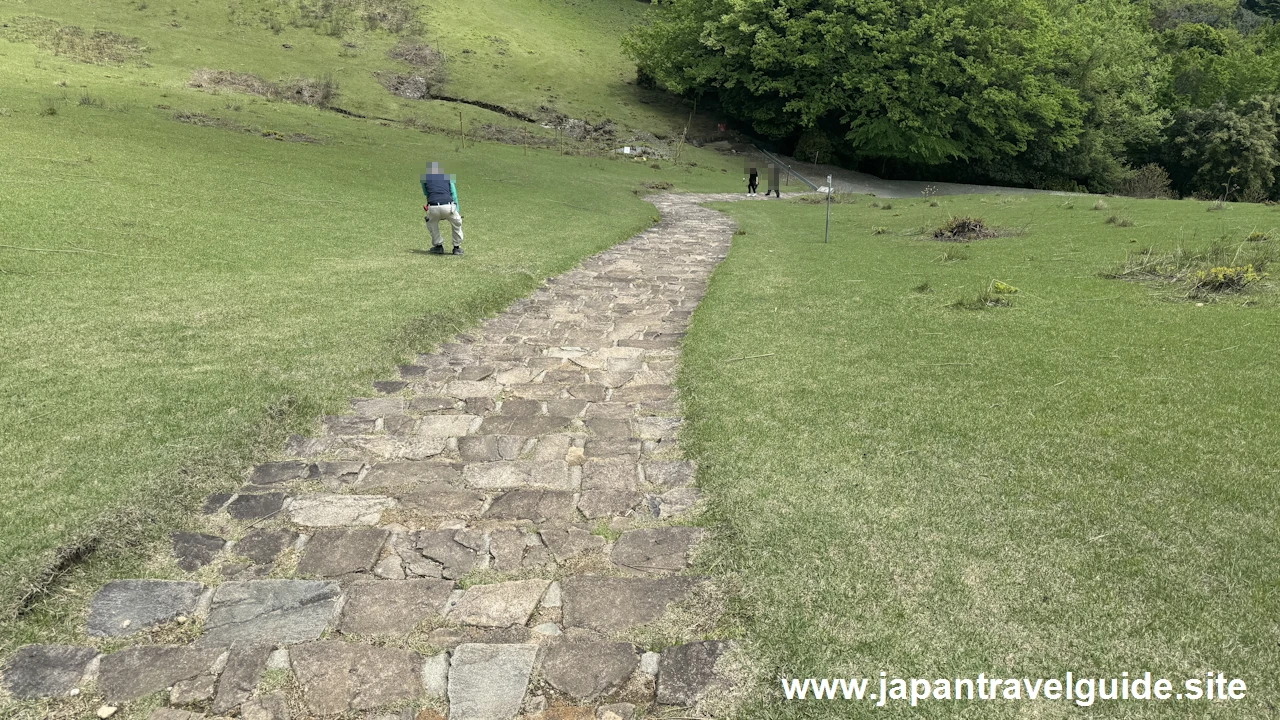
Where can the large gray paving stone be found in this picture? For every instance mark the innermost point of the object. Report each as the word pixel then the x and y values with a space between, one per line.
pixel 39 671
pixel 122 607
pixel 566 543
pixel 278 472
pixel 263 545
pixel 334 552
pixel 392 607
pixel 195 550
pixel 135 672
pixel 655 550
pixel 488 682
pixel 687 672
pixel 606 503
pixel 586 668
pixel 338 677
pixel 499 604
pixel 256 506
pixel 455 558
pixel 612 605
pixel 335 510
pixel 239 679
pixel 406 475
pixel 442 501
pixel 269 612
pixel 535 505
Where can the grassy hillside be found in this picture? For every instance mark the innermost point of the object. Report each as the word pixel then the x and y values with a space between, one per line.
pixel 187 275
pixel 1083 481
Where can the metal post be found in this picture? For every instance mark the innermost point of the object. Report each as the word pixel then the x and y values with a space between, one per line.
pixel 826 236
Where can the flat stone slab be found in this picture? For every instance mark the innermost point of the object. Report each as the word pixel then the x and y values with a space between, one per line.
pixel 500 604
pixel 587 668
pixel 488 682
pixel 338 677
pixel 263 545
pixel 668 474
pixel 278 472
pixel 39 671
pixel 566 543
pixel 269 612
pixel 613 605
pixel 606 503
pixel 392 607
pixel 122 607
pixel 256 507
pixel 655 550
pixel 334 510
pixel 338 551
pixel 686 672
pixel 610 474
pixel 439 545
pixel 135 672
pixel 240 677
pixel 442 501
pixel 535 505
pixel 393 475
pixel 195 550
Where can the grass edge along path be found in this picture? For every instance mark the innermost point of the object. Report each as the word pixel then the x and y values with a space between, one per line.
pixel 1080 481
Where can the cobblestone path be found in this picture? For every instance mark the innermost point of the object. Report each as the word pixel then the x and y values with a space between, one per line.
pixel 504 531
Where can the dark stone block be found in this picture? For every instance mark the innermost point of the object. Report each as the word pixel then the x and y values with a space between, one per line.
pixel 256 507
pixel 123 607
pixel 214 503
pixel 263 545
pixel 685 672
pixel 389 387
pixel 139 671
pixel 195 550
pixel 333 552
pixel 39 671
pixel 277 472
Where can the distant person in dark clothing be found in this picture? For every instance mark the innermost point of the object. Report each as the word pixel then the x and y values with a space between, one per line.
pixel 441 192
pixel 753 180
pixel 775 182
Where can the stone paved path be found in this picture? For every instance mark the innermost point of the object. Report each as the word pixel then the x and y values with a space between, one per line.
pixel 499 533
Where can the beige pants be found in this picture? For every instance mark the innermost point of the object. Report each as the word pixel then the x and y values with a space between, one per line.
pixel 436 213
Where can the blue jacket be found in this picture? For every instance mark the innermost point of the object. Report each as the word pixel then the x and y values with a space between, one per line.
pixel 440 190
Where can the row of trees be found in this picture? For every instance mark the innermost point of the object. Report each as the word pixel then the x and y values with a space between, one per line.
pixel 1066 94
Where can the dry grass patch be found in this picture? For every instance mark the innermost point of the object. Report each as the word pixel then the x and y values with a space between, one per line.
pixel 1221 269
pixel 98 47
pixel 964 228
pixel 317 92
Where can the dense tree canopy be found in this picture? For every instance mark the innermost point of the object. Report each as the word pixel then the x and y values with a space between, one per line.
pixel 1058 93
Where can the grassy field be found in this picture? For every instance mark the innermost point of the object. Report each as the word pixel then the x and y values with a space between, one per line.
pixel 1084 480
pixel 179 295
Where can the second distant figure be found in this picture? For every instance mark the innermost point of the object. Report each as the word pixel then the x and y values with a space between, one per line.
pixel 774 181
pixel 442 204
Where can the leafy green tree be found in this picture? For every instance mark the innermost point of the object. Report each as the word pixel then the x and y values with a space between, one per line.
pixel 1227 150
pixel 923 81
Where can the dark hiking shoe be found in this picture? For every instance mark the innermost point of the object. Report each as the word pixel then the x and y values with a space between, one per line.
pixel 457 250
pixel 436 250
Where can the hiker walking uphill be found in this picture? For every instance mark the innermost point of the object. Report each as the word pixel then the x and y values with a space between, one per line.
pixel 441 192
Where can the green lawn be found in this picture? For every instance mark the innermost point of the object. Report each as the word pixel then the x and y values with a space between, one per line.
pixel 1084 481
pixel 176 298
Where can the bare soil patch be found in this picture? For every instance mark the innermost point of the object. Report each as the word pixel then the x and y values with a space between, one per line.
pixel 205 120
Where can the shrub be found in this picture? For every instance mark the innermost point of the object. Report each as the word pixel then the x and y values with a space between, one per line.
pixel 1258 236
pixel 1148 181
pixel 1222 279
pixel 879 230
pixel 1226 151
pixel 962 228
pixel 1100 204
pixel 983 301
